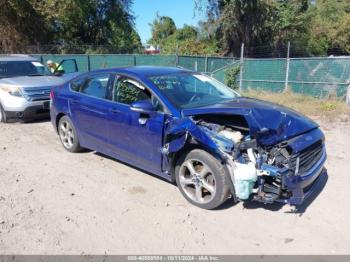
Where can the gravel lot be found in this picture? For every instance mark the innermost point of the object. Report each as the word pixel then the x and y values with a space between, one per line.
pixel 54 202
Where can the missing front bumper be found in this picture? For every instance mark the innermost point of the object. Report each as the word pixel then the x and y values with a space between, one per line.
pixel 304 186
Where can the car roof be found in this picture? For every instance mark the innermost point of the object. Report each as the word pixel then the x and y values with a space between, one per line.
pixel 145 71
pixel 17 58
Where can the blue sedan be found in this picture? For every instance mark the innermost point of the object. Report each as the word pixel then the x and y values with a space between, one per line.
pixel 190 129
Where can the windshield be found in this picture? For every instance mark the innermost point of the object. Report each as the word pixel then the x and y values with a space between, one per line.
pixel 186 90
pixel 22 68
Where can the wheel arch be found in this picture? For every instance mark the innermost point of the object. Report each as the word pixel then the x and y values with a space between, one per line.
pixel 58 118
pixel 188 147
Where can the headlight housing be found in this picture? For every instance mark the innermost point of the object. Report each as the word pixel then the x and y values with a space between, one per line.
pixel 13 90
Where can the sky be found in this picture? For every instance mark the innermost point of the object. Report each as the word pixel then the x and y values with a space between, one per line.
pixel 181 11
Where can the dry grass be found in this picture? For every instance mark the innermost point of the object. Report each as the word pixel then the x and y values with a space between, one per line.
pixel 330 109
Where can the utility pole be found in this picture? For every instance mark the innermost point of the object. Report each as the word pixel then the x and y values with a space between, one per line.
pixel 241 68
pixel 287 68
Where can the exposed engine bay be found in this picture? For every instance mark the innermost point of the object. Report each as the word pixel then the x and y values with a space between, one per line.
pixel 257 172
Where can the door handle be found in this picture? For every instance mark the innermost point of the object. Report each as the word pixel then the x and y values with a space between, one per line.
pixel 114 111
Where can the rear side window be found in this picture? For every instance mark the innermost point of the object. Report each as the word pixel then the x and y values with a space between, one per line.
pixel 96 86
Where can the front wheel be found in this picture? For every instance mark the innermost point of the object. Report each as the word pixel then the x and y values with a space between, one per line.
pixel 68 135
pixel 202 179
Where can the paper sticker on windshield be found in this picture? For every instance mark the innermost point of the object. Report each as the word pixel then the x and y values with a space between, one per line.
pixel 203 78
pixel 37 64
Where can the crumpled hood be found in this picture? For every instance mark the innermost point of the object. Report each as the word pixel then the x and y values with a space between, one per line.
pixel 32 81
pixel 270 123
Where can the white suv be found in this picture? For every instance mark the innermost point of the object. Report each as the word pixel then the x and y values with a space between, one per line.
pixel 25 85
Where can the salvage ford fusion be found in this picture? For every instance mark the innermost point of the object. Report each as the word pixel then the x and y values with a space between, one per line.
pixel 189 128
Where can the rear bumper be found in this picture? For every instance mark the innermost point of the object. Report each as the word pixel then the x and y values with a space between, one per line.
pixel 31 112
pixel 303 186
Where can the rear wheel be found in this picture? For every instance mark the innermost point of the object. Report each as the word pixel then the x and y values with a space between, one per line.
pixel 68 135
pixel 3 117
pixel 202 179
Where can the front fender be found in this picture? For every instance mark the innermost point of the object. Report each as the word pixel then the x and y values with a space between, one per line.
pixel 180 133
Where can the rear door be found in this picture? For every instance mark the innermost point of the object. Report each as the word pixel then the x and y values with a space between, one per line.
pixel 89 108
pixel 135 137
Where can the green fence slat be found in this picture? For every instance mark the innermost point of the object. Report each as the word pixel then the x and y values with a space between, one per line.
pixel 215 63
pixel 110 61
pixel 156 60
pixel 317 77
pixel 194 63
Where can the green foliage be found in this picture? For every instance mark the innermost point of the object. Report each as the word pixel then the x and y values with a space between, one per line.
pixel 231 75
pixel 72 22
pixel 312 29
pixel 330 26
pixel 242 21
pixel 162 27
pixel 328 106
pixel 342 34
pixel 20 24
pixel 184 41
pixel 103 22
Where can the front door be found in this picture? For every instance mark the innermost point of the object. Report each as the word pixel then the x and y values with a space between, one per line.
pixel 135 137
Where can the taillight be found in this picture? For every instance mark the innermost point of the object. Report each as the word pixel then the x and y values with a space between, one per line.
pixel 52 94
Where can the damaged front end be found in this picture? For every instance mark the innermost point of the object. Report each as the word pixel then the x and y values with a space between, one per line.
pixel 287 171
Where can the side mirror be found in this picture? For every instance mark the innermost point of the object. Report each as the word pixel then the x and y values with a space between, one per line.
pixel 143 106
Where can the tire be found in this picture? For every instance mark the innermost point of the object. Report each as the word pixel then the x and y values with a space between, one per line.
pixel 3 117
pixel 68 135
pixel 202 179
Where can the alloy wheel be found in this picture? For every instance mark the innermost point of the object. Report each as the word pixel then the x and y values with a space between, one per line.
pixel 197 181
pixel 66 134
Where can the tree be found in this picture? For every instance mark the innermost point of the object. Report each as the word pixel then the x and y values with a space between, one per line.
pixel 244 21
pixel 186 41
pixel 330 27
pixel 20 25
pixel 103 22
pixel 70 22
pixel 162 27
pixel 342 34
pixel 266 26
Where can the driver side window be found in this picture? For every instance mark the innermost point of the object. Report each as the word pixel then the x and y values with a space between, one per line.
pixel 128 91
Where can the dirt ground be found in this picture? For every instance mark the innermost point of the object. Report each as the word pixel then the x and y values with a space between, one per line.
pixel 54 202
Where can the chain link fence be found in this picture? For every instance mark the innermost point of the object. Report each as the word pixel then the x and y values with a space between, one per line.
pixel 86 63
pixel 315 76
